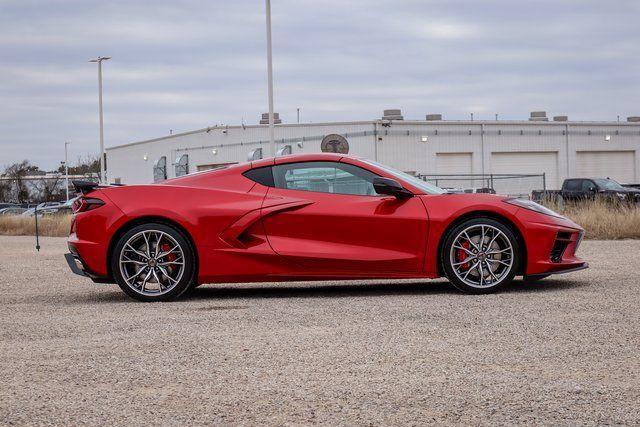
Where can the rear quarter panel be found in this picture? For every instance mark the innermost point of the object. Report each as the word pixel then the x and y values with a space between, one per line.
pixel 204 213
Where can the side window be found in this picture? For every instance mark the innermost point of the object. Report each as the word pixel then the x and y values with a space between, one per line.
pixel 262 176
pixel 325 177
pixel 572 185
pixel 586 185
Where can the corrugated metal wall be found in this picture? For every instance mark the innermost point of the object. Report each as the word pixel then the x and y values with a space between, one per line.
pixel 406 145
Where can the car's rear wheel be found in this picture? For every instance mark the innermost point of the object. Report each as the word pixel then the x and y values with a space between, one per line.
pixel 153 262
pixel 480 255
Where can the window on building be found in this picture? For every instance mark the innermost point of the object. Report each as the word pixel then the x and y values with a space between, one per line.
pixel 325 177
pixel 182 165
pixel 160 169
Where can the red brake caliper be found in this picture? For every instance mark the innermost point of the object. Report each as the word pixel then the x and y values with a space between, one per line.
pixel 462 255
pixel 170 257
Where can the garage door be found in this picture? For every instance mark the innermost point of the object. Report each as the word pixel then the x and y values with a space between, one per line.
pixel 454 164
pixel 532 162
pixel 619 165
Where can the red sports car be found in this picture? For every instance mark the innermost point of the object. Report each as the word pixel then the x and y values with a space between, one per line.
pixel 310 217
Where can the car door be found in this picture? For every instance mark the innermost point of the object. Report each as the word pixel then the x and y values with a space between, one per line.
pixel 571 189
pixel 344 227
pixel 589 189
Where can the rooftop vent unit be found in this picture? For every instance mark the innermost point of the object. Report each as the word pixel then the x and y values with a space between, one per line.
pixel 394 114
pixel 538 116
pixel 265 119
pixel 633 119
pixel 432 117
pixel 560 118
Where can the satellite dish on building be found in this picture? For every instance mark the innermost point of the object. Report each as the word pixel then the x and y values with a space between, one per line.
pixel 334 143
pixel 284 151
pixel 182 165
pixel 255 154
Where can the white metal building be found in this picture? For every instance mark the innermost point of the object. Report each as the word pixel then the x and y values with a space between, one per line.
pixel 558 148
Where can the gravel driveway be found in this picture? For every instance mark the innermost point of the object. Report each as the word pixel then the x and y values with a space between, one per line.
pixel 564 351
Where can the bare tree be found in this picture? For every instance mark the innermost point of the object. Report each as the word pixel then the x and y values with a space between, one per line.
pixel 5 190
pixel 16 173
pixel 48 189
pixel 88 166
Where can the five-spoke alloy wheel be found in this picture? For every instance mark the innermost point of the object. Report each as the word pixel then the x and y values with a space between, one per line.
pixel 153 262
pixel 480 255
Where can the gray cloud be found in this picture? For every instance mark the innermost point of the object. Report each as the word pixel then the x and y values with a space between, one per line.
pixel 188 64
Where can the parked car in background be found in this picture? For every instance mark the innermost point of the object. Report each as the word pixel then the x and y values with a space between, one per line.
pixel 14 210
pixel 484 190
pixel 65 208
pixel 48 205
pixel 577 189
pixel 41 211
pixel 51 208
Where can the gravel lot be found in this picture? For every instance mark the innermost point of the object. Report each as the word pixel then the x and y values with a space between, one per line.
pixel 564 351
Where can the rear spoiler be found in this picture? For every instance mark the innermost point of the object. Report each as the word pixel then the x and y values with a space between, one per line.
pixel 85 187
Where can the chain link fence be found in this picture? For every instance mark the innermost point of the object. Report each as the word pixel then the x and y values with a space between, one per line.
pixel 517 185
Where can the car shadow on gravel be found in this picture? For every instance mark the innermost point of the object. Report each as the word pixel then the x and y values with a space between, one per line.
pixel 365 290
pixel 333 290
pixel 345 290
pixel 545 285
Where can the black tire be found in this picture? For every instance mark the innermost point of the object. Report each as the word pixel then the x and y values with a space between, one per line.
pixel 504 276
pixel 181 284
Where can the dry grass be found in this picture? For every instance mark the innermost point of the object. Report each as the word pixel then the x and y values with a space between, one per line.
pixel 600 219
pixel 52 225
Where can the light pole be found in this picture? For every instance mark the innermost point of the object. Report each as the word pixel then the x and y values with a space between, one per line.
pixel 66 169
pixel 272 144
pixel 99 60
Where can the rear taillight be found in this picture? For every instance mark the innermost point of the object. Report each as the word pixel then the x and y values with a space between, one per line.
pixel 84 204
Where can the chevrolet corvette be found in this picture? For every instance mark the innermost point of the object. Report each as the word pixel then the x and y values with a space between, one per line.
pixel 310 217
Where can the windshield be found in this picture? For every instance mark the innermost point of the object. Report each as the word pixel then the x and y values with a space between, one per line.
pixel 413 180
pixel 609 184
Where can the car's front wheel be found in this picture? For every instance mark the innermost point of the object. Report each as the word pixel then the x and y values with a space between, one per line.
pixel 480 255
pixel 153 262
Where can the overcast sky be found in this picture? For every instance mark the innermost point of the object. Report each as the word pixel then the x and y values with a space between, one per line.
pixel 187 64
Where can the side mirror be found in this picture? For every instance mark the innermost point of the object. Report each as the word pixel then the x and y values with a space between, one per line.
pixel 391 187
pixel 592 189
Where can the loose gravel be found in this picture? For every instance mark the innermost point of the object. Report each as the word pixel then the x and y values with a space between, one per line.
pixel 564 351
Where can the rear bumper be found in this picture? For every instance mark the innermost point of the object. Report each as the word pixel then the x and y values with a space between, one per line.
pixel 79 267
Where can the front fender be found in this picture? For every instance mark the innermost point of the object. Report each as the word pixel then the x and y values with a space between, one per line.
pixel 446 209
